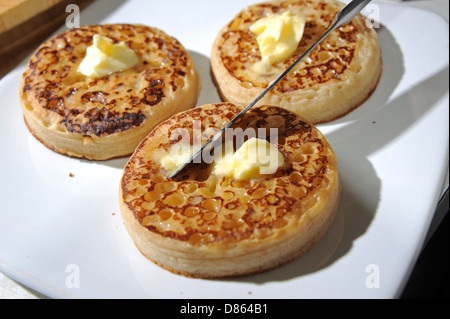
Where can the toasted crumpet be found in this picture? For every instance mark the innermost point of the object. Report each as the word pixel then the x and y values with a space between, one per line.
pixel 105 117
pixel 201 225
pixel 334 79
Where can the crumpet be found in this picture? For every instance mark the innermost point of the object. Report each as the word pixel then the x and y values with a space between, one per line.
pixel 199 224
pixel 106 117
pixel 335 78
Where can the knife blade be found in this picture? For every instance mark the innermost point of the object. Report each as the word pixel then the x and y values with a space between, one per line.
pixel 344 16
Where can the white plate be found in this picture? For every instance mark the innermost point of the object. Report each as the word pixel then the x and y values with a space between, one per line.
pixel 63 236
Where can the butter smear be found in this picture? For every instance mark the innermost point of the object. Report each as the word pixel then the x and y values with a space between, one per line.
pixel 178 155
pixel 278 36
pixel 255 157
pixel 104 57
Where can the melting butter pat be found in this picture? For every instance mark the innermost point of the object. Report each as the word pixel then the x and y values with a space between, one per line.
pixel 278 36
pixel 255 157
pixel 104 57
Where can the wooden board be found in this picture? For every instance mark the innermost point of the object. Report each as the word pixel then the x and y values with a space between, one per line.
pixel 15 12
pixel 25 24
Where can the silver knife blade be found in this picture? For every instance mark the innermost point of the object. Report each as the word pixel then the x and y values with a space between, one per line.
pixel 342 17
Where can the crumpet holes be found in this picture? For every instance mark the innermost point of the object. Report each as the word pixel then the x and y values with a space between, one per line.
pixel 309 149
pixel 213 205
pixel 150 219
pixel 152 196
pixel 190 188
pixel 175 199
pixel 165 214
pixel 295 177
pixel 259 193
pixel 195 200
pixel 228 195
pixel 191 211
pixel 297 158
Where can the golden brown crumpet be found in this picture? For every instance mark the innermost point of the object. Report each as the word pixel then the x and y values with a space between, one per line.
pixel 335 78
pixel 202 225
pixel 105 117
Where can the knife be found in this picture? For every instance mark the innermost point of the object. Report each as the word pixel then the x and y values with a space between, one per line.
pixel 342 17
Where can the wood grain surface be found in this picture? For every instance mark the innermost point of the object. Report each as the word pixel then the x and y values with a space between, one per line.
pixel 15 12
pixel 25 24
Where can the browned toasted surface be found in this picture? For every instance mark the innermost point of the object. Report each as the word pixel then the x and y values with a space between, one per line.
pixel 54 91
pixel 200 208
pixel 239 49
pixel 332 80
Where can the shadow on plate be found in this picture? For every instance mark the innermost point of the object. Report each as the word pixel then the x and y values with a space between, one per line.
pixel 118 162
pixel 208 93
pixel 378 122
